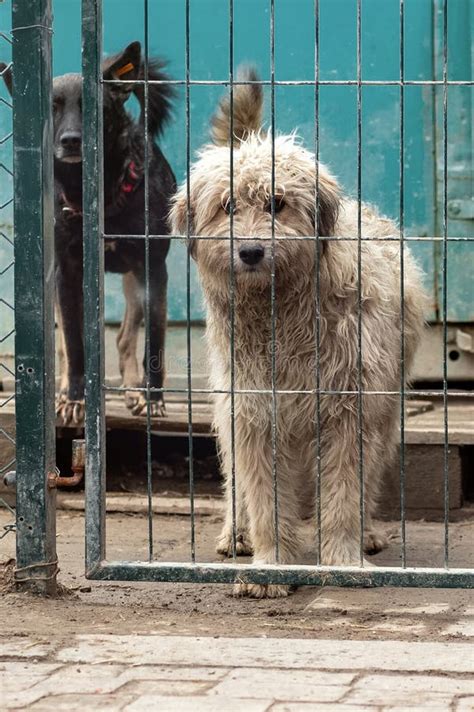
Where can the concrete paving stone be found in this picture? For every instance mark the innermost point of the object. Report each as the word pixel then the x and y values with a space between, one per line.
pixel 82 703
pixel 403 690
pixel 465 704
pixel 428 705
pixel 417 683
pixel 297 685
pixel 263 652
pixel 16 676
pixel 166 688
pixel 23 648
pixel 105 679
pixel 320 707
pixel 146 703
pixel 71 680
pixel 172 673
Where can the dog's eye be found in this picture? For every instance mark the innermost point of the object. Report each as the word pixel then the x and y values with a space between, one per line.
pixel 279 205
pixel 226 206
pixel 57 104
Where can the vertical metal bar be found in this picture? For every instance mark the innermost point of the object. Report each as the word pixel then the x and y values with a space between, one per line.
pixel 232 278
pixel 34 289
pixel 93 230
pixel 359 275
pixel 318 281
pixel 188 289
pixel 445 284
pixel 402 280
pixel 146 177
pixel 273 290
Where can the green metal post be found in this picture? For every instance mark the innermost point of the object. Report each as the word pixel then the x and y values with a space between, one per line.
pixel 34 289
pixel 93 282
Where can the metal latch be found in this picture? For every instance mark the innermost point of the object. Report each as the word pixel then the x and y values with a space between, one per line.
pixel 461 209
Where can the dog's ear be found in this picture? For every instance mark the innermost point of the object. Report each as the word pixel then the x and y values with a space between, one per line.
pixel 125 67
pixel 181 221
pixel 6 74
pixel 328 199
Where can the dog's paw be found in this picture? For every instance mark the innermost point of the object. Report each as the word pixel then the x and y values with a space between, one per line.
pixel 243 546
pixel 257 590
pixel 375 540
pixel 69 411
pixel 137 404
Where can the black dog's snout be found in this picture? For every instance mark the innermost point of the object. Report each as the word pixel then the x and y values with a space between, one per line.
pixel 251 255
pixel 71 140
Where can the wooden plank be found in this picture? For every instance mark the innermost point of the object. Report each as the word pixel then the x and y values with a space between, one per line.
pixel 424 482
pixel 421 427
pixel 138 504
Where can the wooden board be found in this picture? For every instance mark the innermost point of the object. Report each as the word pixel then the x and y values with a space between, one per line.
pixel 422 425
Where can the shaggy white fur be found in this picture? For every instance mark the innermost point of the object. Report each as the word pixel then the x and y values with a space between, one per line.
pixel 299 307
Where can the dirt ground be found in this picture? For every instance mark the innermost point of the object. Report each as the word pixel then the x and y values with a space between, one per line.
pixel 186 609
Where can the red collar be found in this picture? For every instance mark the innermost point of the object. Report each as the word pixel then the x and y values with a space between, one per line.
pixel 130 179
pixel 128 185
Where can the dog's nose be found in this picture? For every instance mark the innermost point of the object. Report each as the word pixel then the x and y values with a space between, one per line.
pixel 71 140
pixel 251 254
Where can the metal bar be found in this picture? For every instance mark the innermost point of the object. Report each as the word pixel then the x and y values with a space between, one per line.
pixel 318 281
pixel 284 574
pixel 34 290
pixel 188 289
pixel 359 279
pixel 333 238
pixel 308 82
pixel 310 391
pixel 402 285
pixel 232 280
pixel 272 289
pixel 93 216
pixel 146 186
pixel 445 283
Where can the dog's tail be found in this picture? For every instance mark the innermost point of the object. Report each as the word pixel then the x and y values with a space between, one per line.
pixel 247 110
pixel 160 96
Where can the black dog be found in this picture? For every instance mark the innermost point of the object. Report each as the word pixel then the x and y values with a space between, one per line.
pixel 124 207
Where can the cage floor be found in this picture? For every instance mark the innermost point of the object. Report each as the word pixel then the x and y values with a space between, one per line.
pixel 206 609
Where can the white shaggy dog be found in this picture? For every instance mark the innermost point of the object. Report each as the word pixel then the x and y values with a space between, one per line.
pixel 297 302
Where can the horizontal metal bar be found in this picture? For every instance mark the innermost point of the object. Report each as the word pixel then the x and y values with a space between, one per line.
pixel 291 83
pixel 287 575
pixel 329 238
pixel 309 392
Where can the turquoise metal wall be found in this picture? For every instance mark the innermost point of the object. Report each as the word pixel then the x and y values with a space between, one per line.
pixel 294 40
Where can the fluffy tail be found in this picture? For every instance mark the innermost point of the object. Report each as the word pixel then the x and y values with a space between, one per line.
pixel 247 113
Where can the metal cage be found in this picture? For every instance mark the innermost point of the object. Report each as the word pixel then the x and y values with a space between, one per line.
pixel 34 310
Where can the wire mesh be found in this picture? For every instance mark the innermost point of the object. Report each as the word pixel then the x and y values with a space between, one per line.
pixel 7 310
pixel 161 570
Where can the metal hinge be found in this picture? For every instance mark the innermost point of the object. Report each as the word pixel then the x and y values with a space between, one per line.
pixel 461 209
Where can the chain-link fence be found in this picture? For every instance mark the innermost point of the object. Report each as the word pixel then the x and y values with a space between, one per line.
pixel 7 375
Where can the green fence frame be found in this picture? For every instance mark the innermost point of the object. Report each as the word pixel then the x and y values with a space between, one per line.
pixel 34 295
pixel 97 567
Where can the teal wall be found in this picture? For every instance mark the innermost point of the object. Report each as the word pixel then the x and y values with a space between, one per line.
pixel 294 60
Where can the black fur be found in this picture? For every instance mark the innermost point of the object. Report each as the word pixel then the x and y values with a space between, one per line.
pixel 124 142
